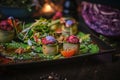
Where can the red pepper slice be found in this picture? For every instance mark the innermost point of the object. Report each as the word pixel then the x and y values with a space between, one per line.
pixel 68 53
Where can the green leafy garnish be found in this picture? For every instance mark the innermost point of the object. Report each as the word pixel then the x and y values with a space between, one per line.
pixel 15 45
pixel 84 48
pixel 93 48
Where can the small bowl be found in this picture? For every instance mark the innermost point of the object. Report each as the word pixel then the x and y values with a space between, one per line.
pixel 6 36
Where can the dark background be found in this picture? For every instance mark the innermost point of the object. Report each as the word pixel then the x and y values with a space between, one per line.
pixel 87 68
pixel 20 3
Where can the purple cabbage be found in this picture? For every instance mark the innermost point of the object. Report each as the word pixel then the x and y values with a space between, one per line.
pixel 103 19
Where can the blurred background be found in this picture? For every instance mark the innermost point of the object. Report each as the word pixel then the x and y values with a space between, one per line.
pixel 33 8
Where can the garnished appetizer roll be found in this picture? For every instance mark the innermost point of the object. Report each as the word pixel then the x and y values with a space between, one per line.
pixel 70 46
pixel 49 45
pixel 7 31
pixel 69 27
